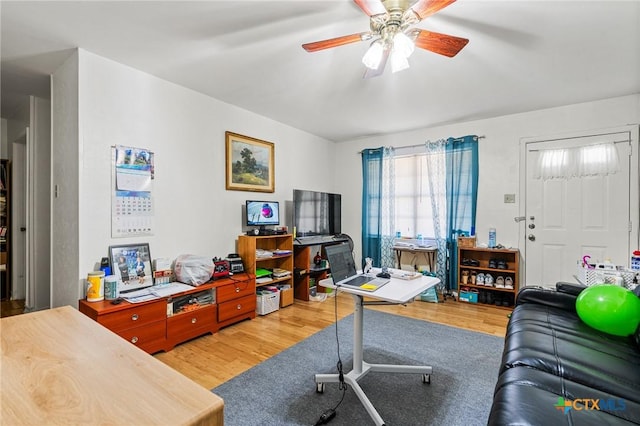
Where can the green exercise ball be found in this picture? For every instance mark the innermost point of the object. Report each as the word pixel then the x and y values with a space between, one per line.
pixel 609 308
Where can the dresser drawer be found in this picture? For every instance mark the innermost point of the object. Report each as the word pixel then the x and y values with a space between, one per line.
pixel 234 308
pixel 187 325
pixel 149 337
pixel 229 292
pixel 136 316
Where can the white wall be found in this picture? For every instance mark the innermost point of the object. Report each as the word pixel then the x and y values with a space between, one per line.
pixel 39 227
pixel 65 266
pixel 498 156
pixel 119 105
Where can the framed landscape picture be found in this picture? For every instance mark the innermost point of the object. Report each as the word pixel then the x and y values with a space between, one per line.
pixel 249 164
pixel 131 264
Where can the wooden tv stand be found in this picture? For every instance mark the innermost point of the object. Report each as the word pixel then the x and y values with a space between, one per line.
pixel 148 325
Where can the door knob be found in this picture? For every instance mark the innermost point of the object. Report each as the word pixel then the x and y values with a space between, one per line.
pixel 519 218
pixel 531 237
pixel 532 226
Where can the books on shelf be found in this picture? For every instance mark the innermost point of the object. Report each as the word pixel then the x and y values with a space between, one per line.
pixel 280 273
pixel 263 272
pixel 281 252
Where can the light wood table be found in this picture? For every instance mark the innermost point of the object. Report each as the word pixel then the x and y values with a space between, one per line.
pixel 60 367
pixel 429 252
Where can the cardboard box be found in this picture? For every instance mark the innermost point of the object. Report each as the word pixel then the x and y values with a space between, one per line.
pixel 467 242
pixel 467 296
pixel 286 297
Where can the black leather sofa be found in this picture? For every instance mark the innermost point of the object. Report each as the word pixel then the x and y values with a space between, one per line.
pixel 552 358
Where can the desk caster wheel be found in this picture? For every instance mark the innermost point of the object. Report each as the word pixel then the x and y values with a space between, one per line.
pixel 319 387
pixel 426 378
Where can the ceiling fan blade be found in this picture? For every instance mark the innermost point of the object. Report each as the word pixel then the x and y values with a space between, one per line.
pixel 371 7
pixel 335 42
pixel 370 73
pixel 424 8
pixel 442 44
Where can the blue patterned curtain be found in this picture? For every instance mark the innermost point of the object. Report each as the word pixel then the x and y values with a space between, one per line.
pixel 387 216
pixel 372 204
pixel 462 196
pixel 377 206
pixel 436 171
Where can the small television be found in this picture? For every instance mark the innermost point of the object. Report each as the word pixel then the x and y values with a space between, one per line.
pixel 316 213
pixel 262 213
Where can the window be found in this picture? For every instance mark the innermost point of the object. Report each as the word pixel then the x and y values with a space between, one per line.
pixel 413 207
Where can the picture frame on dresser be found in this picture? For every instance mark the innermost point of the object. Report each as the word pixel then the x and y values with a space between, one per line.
pixel 131 264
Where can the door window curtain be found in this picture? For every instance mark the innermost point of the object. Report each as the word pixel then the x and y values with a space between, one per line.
pixel 592 160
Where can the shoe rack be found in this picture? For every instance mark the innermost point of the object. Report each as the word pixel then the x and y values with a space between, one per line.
pixel 475 263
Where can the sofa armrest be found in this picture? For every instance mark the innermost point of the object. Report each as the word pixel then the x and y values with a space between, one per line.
pixel 547 297
pixel 570 288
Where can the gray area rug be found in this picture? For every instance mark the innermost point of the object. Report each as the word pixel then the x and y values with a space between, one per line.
pixel 282 391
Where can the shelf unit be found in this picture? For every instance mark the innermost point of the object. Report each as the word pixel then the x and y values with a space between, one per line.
pixel 306 270
pixel 5 229
pixel 247 246
pixel 484 256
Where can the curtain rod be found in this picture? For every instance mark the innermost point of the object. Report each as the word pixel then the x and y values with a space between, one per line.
pixel 422 144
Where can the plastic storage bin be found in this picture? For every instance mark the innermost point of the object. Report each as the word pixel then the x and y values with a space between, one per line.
pixel 267 303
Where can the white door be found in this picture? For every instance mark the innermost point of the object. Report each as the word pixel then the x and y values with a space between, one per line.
pixel 566 219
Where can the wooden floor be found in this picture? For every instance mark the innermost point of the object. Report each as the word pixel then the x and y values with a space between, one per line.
pixel 213 359
pixel 11 307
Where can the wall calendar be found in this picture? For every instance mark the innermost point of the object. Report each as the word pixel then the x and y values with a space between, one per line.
pixel 132 210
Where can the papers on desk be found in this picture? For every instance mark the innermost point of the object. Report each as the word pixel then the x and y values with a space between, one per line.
pixel 155 292
pixel 409 246
pixel 405 275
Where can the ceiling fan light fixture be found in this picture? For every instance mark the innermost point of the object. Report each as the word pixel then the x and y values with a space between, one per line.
pixel 373 56
pixel 402 44
pixel 398 61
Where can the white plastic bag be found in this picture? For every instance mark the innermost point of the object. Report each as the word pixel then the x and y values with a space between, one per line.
pixel 193 270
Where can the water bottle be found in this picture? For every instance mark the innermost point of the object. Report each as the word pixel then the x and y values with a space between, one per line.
pixel 492 237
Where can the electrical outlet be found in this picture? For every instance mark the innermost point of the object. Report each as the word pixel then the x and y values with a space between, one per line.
pixel 509 198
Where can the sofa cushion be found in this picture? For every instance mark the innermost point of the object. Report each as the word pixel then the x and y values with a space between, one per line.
pixel 524 396
pixel 565 324
pixel 555 341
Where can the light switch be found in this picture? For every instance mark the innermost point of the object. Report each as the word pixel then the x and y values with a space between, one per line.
pixel 509 198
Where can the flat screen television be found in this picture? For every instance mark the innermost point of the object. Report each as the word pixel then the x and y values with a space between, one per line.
pixel 316 213
pixel 262 213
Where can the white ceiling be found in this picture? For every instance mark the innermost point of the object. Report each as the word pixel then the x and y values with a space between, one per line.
pixel 522 56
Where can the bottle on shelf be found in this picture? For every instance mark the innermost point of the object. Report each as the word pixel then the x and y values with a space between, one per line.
pixel 317 259
pixel 492 237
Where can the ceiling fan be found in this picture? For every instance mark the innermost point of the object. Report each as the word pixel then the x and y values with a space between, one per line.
pixel 393 34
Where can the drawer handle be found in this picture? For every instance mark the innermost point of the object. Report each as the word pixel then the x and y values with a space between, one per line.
pixel 134 317
pixel 239 306
pixel 237 289
pixel 193 320
pixel 134 340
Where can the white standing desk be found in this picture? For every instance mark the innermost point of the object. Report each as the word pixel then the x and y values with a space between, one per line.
pixel 396 292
